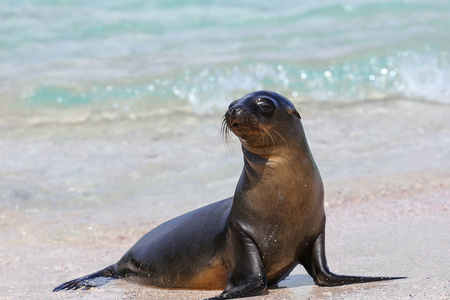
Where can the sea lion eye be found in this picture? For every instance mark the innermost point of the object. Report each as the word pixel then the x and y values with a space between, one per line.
pixel 265 107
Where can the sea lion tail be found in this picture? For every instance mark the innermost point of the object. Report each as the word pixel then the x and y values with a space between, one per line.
pixel 89 281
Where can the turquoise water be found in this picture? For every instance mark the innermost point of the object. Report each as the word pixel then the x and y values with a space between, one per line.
pixel 124 55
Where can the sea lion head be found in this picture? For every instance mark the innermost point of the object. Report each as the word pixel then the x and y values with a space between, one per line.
pixel 262 119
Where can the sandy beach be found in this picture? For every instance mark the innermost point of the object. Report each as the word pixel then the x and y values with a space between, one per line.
pixel 75 196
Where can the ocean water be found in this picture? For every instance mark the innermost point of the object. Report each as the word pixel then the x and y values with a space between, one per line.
pixel 125 58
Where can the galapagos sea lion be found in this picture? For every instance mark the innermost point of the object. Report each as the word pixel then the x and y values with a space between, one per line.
pixel 253 240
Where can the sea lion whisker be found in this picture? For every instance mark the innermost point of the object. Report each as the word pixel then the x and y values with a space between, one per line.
pixel 224 128
pixel 282 138
pixel 226 133
pixel 268 136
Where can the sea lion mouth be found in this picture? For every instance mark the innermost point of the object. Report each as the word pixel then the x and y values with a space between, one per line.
pixel 250 125
pixel 235 125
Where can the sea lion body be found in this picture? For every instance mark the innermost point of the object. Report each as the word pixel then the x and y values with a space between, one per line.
pixel 242 244
pixel 185 252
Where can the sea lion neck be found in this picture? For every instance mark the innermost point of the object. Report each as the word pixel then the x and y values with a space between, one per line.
pixel 253 171
pixel 253 163
pixel 260 161
pixel 256 163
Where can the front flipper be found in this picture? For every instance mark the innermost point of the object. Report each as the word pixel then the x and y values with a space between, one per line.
pixel 247 276
pixel 317 267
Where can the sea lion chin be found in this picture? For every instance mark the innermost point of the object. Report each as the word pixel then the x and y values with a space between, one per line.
pixel 253 240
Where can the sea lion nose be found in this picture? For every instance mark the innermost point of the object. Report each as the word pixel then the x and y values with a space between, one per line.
pixel 235 111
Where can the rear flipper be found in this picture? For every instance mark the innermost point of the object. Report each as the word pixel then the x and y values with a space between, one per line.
pixel 317 267
pixel 89 281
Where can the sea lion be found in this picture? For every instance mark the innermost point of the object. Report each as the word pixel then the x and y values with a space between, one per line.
pixel 243 244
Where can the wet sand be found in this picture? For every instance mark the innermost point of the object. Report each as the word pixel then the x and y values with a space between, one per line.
pixel 75 197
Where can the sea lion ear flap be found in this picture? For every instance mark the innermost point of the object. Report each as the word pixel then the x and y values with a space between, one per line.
pixel 294 112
